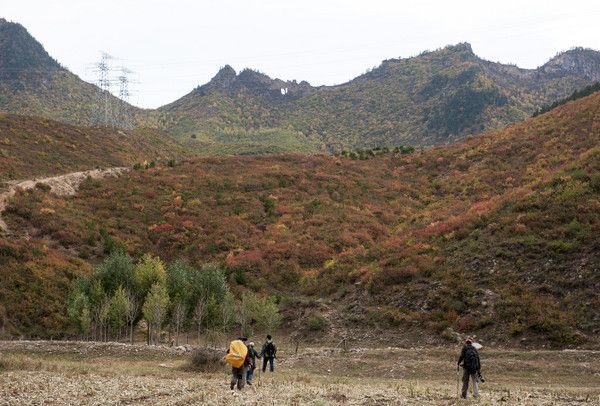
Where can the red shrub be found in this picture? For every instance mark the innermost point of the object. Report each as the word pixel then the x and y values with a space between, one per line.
pixel 161 228
pixel 251 260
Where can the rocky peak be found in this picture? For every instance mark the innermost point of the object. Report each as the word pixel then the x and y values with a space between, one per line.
pixel 462 47
pixel 225 77
pixel 254 82
pixel 578 61
pixel 251 79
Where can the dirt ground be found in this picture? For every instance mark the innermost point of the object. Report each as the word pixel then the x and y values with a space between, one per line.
pixel 74 373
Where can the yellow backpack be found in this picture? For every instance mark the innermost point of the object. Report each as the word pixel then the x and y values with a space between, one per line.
pixel 237 354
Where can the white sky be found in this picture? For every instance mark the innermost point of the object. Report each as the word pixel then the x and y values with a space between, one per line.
pixel 173 46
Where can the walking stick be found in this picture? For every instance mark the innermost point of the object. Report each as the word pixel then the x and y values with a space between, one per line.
pixel 259 372
pixel 457 381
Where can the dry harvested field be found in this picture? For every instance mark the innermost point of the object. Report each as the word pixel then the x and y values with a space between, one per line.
pixel 73 373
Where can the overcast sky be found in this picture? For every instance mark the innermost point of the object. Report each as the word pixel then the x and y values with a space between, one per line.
pixel 173 46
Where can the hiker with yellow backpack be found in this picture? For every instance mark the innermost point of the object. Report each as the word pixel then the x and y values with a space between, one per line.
pixel 238 357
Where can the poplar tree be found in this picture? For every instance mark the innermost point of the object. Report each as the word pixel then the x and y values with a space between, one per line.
pixel 155 310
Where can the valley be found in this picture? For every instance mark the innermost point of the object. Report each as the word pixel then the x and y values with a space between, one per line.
pixel 54 373
pixel 404 244
pixel 371 226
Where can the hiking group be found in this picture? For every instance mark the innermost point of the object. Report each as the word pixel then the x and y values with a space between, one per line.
pixel 242 356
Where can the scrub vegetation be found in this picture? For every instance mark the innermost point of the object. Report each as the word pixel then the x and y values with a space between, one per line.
pixel 495 236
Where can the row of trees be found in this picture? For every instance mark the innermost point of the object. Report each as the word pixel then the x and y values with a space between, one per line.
pixel 577 94
pixel 369 153
pixel 119 294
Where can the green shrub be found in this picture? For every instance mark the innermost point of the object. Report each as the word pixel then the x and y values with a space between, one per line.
pixel 573 191
pixel 316 322
pixel 562 246
pixel 43 187
pixel 595 182
pixel 516 328
pixel 110 245
pixel 205 360
pixel 268 205
pixel 239 276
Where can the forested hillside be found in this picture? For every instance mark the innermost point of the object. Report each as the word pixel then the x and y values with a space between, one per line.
pixel 434 98
pixel 495 236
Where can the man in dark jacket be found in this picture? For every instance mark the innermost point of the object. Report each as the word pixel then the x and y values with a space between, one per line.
pixel 471 366
pixel 269 353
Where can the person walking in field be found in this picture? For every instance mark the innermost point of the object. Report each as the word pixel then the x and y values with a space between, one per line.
pixel 469 357
pixel 238 357
pixel 269 353
pixel 253 356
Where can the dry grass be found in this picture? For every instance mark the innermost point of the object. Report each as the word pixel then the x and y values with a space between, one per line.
pixel 61 373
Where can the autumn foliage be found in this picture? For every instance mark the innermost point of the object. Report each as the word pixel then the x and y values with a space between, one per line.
pixel 437 239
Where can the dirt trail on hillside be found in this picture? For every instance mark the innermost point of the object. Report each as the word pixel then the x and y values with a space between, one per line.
pixel 61 185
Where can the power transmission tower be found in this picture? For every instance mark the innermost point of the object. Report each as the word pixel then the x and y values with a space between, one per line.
pixel 123 114
pixel 103 70
pixel 111 111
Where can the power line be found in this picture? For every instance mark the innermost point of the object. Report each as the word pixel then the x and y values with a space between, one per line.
pixel 111 112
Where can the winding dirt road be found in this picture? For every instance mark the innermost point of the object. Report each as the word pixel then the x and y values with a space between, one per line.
pixel 61 185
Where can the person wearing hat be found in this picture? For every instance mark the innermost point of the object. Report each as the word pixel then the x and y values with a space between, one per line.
pixel 253 354
pixel 469 357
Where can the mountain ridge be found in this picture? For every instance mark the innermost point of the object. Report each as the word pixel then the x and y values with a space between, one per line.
pixel 433 98
pixel 436 97
pixel 33 83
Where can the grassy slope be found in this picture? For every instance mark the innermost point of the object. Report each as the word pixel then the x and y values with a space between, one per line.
pixel 32 146
pixel 33 275
pixel 497 235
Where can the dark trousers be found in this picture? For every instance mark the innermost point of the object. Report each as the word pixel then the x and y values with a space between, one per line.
pixel 271 361
pixel 238 377
pixel 466 375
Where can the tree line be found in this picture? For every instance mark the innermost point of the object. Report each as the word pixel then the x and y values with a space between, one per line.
pixel 577 94
pixel 368 153
pixel 178 297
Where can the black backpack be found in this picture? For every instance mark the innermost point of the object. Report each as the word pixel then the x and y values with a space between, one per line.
pixel 269 350
pixel 471 361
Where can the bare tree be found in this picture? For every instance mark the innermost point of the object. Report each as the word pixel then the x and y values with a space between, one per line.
pixel 103 319
pixel 132 314
pixel 199 315
pixel 179 313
